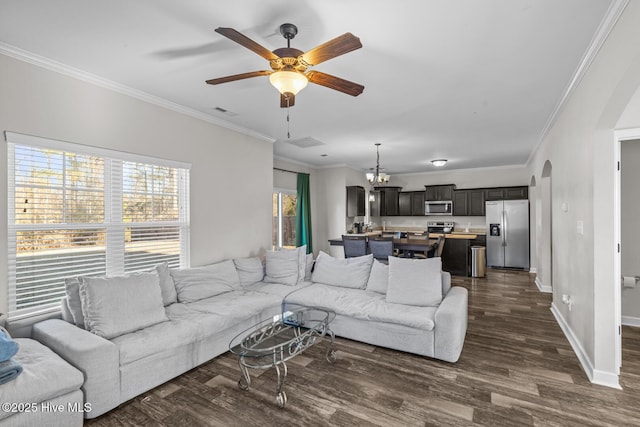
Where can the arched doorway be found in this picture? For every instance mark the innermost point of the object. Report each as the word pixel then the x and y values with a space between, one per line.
pixel 533 226
pixel 544 279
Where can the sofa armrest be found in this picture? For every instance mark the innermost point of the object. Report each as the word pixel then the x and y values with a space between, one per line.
pixel 451 325
pixel 96 357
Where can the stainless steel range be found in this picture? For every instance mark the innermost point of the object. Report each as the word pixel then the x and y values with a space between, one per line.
pixel 440 227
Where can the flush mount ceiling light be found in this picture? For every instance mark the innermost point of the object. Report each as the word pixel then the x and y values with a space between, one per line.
pixel 376 177
pixel 439 162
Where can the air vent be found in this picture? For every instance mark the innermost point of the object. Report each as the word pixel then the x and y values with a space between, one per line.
pixel 305 142
pixel 225 111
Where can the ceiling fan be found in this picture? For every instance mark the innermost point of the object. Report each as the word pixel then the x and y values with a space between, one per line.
pixel 289 66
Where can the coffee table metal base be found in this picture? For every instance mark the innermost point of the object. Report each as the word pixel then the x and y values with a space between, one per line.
pixel 279 362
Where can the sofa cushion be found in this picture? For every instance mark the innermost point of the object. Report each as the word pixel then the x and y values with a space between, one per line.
pixel 348 273
pixel 283 267
pixel 277 289
pixel 72 289
pixel 155 339
pixel 379 277
pixel 250 270
pixel 415 281
pixel 193 284
pixel 118 305
pixel 45 376
pixel 363 305
pixel 167 287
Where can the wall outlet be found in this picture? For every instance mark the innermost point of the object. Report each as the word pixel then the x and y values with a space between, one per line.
pixel 564 206
pixel 566 299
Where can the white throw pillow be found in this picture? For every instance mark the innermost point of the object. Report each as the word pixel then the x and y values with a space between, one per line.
pixel 250 270
pixel 72 289
pixel 302 262
pixel 379 277
pixel 283 267
pixel 415 281
pixel 167 287
pixel 115 306
pixel 193 284
pixel 348 272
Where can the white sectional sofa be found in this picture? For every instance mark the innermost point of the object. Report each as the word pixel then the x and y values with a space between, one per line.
pixel 130 334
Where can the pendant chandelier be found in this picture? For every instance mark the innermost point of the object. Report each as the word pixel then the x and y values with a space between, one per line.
pixel 377 177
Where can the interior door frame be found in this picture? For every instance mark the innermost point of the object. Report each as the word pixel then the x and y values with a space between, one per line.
pixel 620 137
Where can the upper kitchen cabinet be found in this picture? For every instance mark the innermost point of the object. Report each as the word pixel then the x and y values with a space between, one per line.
pixel 439 192
pixel 411 203
pixel 417 203
pixel 507 193
pixel 355 201
pixel 404 203
pixel 469 202
pixel 386 201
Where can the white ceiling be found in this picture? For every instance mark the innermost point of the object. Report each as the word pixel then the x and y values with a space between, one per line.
pixel 473 81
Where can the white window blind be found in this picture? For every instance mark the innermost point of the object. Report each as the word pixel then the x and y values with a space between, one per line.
pixel 77 210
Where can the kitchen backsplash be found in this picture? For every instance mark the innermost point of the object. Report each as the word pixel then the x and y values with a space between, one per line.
pixel 461 222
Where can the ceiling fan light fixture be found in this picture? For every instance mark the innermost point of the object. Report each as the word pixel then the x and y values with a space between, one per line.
pixel 439 162
pixel 288 81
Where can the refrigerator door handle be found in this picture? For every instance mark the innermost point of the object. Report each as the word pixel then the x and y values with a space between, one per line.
pixel 505 228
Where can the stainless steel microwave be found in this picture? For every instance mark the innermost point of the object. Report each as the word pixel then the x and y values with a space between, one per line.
pixel 433 207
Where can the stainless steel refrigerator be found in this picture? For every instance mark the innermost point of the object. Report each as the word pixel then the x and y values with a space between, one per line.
pixel 507 233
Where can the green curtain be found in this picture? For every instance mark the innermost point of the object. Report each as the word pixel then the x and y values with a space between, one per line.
pixel 303 213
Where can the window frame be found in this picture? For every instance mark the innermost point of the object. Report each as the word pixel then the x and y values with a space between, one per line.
pixel 113 222
pixel 280 192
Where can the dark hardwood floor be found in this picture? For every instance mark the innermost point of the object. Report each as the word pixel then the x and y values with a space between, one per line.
pixel 516 368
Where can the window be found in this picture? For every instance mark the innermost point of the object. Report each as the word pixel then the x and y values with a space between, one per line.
pixel 284 219
pixel 77 210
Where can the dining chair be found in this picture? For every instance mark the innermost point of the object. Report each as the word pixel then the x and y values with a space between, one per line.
pixel 381 248
pixel 437 248
pixel 354 246
pixel 417 236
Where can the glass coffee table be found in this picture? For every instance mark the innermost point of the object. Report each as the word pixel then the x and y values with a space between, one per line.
pixel 273 342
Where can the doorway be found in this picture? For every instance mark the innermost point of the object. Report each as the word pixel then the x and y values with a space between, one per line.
pixel 628 232
pixel 544 278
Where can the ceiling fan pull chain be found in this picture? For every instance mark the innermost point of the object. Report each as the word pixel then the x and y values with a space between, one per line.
pixel 288 134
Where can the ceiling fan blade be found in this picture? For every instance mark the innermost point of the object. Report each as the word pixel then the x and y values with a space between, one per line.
pixel 245 41
pixel 336 83
pixel 238 77
pixel 336 47
pixel 287 101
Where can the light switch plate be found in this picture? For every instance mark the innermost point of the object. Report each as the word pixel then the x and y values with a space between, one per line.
pixel 580 227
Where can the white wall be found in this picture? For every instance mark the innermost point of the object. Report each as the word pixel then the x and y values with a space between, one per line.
pixel 630 225
pixel 231 175
pixel 581 148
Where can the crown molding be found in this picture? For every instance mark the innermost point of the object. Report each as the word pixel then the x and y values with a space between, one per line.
pixel 58 67
pixel 606 25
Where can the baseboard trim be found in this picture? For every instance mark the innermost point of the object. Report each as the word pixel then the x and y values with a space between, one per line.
pixel 533 270
pixel 543 288
pixel 630 321
pixel 607 379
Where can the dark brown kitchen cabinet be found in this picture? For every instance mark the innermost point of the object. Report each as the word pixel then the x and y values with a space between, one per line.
pixel 460 202
pixel 386 201
pixel 456 257
pixel 404 204
pixel 411 203
pixel 439 192
pixel 507 193
pixel 468 202
pixel 355 201
pixel 417 203
pixel 376 206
